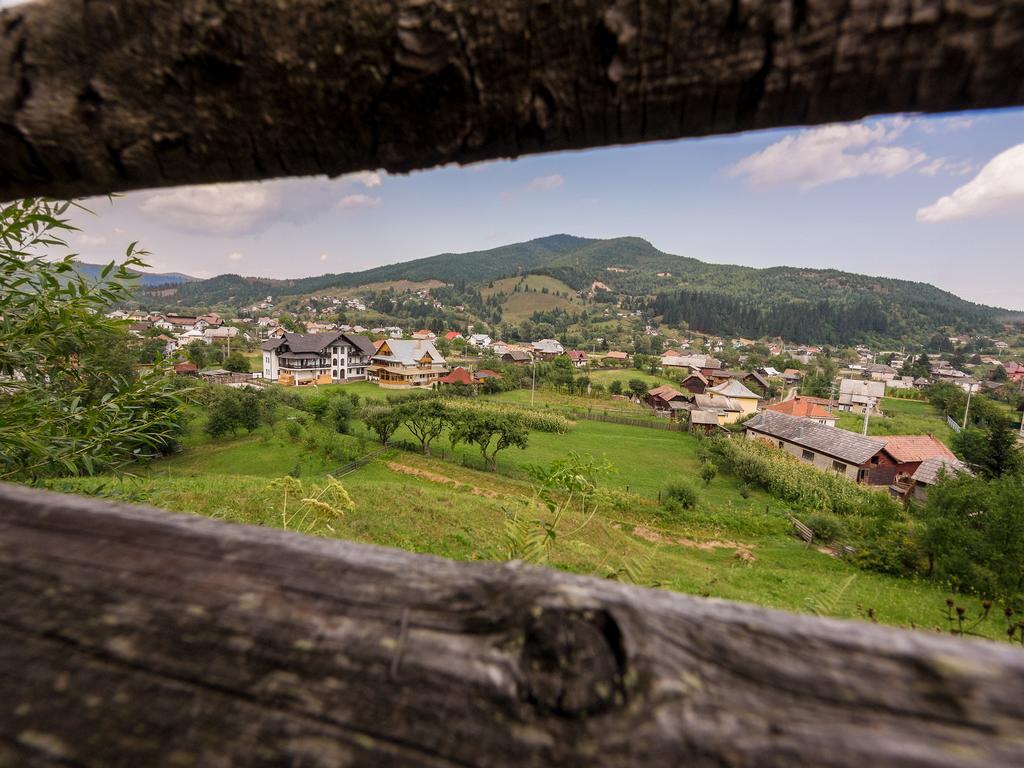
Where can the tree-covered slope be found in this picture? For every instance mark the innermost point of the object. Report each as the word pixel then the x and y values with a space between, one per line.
pixel 800 304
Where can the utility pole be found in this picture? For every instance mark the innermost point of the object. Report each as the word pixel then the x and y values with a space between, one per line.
pixel 867 411
pixel 533 388
pixel 831 394
pixel 967 408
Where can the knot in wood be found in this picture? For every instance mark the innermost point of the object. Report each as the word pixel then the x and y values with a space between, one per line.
pixel 573 662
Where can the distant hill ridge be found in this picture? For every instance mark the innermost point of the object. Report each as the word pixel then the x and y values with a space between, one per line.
pixel 797 303
pixel 147 279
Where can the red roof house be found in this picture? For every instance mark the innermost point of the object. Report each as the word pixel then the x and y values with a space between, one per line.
pixel 805 408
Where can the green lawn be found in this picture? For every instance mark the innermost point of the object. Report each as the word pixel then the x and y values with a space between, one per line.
pixel 737 543
pixel 728 548
pixel 901 417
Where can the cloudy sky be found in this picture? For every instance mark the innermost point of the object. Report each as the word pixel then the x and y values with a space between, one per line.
pixel 938 199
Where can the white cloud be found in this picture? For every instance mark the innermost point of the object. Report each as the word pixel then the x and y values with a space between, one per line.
pixel 236 256
pixel 998 188
pixel 348 202
pixel 215 208
pixel 543 183
pixel 831 153
pixel 368 179
pixel 947 166
pixel 92 240
pixel 950 124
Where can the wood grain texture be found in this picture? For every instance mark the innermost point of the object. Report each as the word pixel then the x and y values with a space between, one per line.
pixel 105 95
pixel 135 637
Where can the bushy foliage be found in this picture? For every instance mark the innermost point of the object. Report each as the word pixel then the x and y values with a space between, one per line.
pixel 797 483
pixel 535 420
pixel 974 535
pixel 826 527
pixel 681 493
pixel 70 405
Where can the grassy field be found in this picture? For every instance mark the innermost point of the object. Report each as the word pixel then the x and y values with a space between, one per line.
pixel 737 543
pixel 729 547
pixel 901 417
pixel 531 297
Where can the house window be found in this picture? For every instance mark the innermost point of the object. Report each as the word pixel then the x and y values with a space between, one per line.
pixel 839 467
pixel 781 444
pixel 807 456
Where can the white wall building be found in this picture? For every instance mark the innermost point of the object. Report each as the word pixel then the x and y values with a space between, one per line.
pixel 297 358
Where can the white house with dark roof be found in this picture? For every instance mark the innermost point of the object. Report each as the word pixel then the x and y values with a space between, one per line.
pixel 321 358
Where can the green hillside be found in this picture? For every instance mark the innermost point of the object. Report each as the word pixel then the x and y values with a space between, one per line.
pixel 800 304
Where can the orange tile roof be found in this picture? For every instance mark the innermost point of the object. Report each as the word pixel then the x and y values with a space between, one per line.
pixel 801 406
pixel 906 449
pixel 458 375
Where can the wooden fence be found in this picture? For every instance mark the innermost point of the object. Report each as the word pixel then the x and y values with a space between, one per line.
pixel 135 637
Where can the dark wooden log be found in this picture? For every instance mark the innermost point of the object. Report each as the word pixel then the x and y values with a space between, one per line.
pixel 105 95
pixel 135 637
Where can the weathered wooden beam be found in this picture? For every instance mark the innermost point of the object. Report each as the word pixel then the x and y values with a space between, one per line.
pixel 135 637
pixel 105 95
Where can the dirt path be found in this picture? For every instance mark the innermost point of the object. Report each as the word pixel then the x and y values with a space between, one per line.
pixel 433 477
pixel 743 551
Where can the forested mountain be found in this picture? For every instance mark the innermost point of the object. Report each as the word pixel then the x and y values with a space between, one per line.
pixel 147 279
pixel 799 304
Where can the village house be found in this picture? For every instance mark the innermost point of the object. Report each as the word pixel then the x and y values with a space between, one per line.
pixel 320 358
pixel 804 408
pixel 705 422
pixel 186 369
pixel 856 395
pixel 695 383
pixel 517 357
pixel 424 334
pixel 480 340
pixel 855 457
pixel 220 333
pixel 929 473
pixel 169 344
pixel 734 390
pixel 465 377
pixel 578 358
pixel 696 362
pixel 753 379
pixel 881 372
pixel 547 349
pixel 910 451
pixel 452 336
pixel 402 364
pixel 178 323
pixel 667 400
pixel 620 357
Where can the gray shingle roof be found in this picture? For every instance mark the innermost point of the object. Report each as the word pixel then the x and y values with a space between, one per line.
pixel 409 351
pixel 832 441
pixel 704 417
pixel 301 343
pixel 735 388
pixel 362 343
pixel 928 472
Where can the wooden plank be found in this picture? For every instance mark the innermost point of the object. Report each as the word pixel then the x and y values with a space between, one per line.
pixel 135 637
pixel 98 96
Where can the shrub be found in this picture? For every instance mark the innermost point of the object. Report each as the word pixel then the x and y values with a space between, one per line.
pixel 826 527
pixel 708 471
pixel 890 548
pixel 681 493
pixel 535 420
